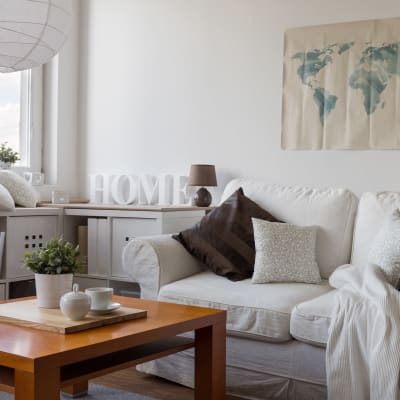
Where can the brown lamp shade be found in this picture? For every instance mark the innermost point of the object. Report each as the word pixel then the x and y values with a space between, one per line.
pixel 202 175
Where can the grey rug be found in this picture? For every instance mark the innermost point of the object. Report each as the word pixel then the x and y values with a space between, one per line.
pixel 96 392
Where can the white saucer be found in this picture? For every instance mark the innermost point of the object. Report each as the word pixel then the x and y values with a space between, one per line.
pixel 111 307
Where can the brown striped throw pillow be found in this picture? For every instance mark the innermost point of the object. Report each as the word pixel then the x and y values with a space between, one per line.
pixel 224 240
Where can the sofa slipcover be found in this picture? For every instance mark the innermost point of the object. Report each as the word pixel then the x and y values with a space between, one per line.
pixel 332 210
pixel 310 320
pixel 256 370
pixel 257 310
pixel 157 260
pixel 258 315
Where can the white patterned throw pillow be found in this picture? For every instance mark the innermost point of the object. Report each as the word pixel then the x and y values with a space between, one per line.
pixel 20 190
pixel 284 253
pixel 6 201
pixel 385 249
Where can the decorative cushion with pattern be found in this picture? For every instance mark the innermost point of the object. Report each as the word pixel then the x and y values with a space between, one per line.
pixel 285 253
pixel 20 190
pixel 223 240
pixel 6 201
pixel 385 249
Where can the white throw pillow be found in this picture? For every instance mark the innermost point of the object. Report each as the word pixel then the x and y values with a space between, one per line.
pixel 284 253
pixel 385 249
pixel 22 193
pixel 6 201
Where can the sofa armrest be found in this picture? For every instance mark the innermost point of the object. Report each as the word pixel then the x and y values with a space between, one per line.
pixel 155 261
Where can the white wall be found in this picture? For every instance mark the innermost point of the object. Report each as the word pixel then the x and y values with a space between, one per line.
pixel 167 83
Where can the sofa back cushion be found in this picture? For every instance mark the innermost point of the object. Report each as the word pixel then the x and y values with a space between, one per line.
pixel 332 210
pixel 373 210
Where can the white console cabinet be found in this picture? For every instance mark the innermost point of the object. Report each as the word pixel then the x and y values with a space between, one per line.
pixel 109 229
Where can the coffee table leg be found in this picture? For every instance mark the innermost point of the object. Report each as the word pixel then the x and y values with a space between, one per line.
pixel 37 386
pixel 77 390
pixel 210 362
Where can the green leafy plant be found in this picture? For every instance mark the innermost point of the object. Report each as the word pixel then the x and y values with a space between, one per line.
pixel 7 154
pixel 57 257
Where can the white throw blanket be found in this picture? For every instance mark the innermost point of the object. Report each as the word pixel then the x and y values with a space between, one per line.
pixel 363 350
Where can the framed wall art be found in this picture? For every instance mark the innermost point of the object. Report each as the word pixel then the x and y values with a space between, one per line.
pixel 341 86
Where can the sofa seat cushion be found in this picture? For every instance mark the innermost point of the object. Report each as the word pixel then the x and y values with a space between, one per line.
pixel 261 310
pixel 310 320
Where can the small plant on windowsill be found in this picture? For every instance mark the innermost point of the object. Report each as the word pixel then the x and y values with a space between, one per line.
pixel 54 266
pixel 8 156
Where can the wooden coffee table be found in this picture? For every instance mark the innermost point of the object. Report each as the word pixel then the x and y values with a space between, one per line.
pixel 36 364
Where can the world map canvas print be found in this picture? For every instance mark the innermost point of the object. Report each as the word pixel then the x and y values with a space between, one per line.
pixel 341 86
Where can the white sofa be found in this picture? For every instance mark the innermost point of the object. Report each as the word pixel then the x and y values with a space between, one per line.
pixel 277 332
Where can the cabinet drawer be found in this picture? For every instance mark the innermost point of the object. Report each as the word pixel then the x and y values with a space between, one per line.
pixel 26 234
pixel 124 229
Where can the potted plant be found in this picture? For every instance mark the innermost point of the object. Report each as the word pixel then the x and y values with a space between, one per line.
pixel 54 266
pixel 8 156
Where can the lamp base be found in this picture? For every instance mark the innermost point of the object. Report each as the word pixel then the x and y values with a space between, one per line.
pixel 202 198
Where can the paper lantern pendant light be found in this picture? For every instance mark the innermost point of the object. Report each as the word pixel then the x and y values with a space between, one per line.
pixel 31 32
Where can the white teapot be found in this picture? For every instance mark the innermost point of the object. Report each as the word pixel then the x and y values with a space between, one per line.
pixel 75 305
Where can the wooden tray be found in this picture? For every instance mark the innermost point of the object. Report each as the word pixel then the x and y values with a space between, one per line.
pixel 26 313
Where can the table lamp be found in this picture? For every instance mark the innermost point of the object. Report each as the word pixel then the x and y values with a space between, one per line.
pixel 202 175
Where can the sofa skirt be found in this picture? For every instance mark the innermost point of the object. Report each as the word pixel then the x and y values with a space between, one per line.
pixel 257 370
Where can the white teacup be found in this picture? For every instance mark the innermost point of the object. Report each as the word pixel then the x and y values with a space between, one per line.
pixel 101 297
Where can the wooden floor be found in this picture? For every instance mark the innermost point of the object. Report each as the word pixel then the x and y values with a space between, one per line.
pixel 147 385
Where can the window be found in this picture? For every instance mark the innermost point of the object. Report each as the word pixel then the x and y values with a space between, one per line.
pixel 20 116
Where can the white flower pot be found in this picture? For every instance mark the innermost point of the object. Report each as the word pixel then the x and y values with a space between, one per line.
pixel 50 288
pixel 5 165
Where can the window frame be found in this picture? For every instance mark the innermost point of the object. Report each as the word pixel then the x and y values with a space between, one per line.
pixel 31 120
